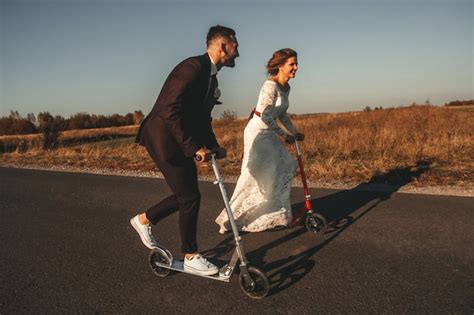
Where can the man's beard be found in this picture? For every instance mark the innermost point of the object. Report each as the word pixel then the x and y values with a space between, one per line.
pixel 230 63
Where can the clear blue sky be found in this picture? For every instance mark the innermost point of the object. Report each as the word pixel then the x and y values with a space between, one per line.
pixel 106 56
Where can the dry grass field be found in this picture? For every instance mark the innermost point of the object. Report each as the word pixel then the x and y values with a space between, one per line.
pixel 423 145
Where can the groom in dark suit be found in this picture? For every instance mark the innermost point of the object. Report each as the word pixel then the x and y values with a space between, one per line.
pixel 179 128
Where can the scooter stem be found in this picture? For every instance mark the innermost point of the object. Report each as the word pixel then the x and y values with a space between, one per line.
pixel 307 206
pixel 226 199
pixel 303 174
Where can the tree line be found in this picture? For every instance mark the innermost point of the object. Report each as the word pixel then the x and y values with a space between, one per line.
pixel 15 123
pixel 460 103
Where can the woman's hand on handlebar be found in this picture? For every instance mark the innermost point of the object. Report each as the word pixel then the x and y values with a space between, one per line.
pixel 299 136
pixel 289 139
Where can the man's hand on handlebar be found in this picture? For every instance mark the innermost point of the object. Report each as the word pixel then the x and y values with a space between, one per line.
pixel 220 152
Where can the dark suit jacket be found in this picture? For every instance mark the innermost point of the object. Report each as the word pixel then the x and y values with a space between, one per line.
pixel 180 121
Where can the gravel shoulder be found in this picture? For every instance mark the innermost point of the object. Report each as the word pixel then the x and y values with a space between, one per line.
pixel 464 191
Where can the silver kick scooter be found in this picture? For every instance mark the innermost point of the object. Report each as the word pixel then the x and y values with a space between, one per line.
pixel 252 280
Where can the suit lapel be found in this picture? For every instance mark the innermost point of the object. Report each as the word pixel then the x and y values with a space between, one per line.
pixel 209 84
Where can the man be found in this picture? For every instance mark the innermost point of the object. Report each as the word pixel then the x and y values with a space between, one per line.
pixel 179 128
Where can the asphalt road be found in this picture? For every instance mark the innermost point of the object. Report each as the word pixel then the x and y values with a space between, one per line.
pixel 66 246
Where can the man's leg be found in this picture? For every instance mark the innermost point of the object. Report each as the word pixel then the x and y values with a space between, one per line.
pixel 162 209
pixel 181 177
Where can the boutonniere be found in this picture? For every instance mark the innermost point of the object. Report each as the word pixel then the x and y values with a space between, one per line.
pixel 217 93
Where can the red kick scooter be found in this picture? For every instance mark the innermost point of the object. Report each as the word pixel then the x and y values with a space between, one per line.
pixel 314 222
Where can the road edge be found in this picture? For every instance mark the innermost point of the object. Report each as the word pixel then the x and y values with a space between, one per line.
pixel 409 189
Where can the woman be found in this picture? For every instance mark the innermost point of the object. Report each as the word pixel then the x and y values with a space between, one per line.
pixel 261 198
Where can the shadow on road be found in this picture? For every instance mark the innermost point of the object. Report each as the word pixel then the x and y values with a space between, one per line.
pixel 339 210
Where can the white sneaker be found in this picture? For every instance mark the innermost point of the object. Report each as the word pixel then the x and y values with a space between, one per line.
pixel 144 231
pixel 199 265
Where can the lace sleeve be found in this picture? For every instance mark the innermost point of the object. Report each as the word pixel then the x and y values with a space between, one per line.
pixel 285 120
pixel 268 99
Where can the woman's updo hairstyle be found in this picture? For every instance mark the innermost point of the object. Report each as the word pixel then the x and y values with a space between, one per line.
pixel 278 59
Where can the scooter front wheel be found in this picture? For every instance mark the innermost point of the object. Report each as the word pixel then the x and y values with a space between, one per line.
pixel 158 257
pixel 316 223
pixel 257 286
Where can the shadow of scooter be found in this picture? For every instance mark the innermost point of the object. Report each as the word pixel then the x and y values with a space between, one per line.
pixel 341 209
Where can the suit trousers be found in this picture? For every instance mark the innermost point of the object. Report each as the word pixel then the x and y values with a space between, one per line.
pixel 181 176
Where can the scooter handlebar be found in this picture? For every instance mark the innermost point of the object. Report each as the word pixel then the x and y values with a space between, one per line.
pixel 198 158
pixel 297 145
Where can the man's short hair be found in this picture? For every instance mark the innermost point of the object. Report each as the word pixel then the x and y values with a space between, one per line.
pixel 219 31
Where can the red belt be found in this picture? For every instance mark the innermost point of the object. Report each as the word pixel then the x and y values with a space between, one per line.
pixel 254 111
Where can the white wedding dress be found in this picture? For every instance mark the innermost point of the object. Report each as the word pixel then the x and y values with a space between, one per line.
pixel 261 199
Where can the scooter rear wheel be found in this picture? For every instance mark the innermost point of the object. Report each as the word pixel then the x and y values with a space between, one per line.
pixel 316 223
pixel 259 286
pixel 158 256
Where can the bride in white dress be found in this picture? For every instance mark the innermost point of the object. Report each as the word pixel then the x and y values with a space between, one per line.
pixel 261 199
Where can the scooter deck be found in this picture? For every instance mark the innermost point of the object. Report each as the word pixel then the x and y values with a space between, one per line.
pixel 178 265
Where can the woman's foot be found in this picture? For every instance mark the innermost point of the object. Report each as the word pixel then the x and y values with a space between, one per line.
pixel 297 221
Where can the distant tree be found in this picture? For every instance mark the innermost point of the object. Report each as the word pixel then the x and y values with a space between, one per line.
pixel 99 121
pixel 228 115
pixel 116 120
pixel 43 118
pixel 60 122
pixel 32 118
pixel 15 115
pixel 460 103
pixel 128 119
pixel 16 124
pixel 5 126
pixel 454 103
pixel 367 109
pixel 94 120
pixel 427 102
pixel 23 126
pixel 50 127
pixel 79 121
pixel 138 117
